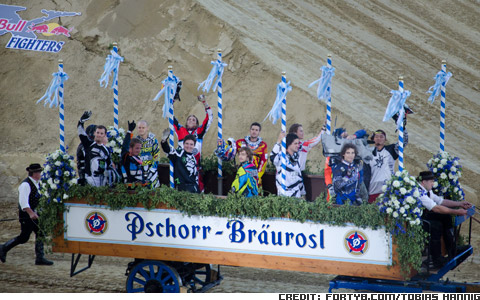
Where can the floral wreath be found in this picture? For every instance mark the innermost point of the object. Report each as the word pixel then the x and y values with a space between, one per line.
pixel 115 142
pixel 58 176
pixel 447 171
pixel 401 201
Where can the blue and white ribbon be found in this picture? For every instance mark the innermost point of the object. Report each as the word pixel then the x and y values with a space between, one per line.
pixel 51 95
pixel 217 69
pixel 395 105
pixel 111 65
pixel 441 78
pixel 323 92
pixel 169 89
pixel 276 112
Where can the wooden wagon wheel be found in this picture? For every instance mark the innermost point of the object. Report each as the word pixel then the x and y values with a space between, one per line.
pixel 200 276
pixel 152 276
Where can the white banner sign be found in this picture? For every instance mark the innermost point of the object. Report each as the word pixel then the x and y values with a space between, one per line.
pixel 276 237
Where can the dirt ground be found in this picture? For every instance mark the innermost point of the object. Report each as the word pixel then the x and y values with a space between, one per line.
pixel 107 274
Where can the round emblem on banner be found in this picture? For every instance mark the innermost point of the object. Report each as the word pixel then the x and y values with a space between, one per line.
pixel 96 223
pixel 356 242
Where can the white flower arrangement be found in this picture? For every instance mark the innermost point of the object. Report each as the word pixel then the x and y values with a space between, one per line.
pixel 58 176
pixel 447 171
pixel 401 200
pixel 115 141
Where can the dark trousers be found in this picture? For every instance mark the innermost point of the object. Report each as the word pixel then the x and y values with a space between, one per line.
pixel 27 226
pixel 440 225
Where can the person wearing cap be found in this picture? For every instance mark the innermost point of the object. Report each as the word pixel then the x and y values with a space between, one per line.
pixel 383 162
pixel 293 174
pixel 28 200
pixel 438 213
pixel 81 154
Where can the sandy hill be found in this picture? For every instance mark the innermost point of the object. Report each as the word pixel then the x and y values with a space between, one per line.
pixel 371 42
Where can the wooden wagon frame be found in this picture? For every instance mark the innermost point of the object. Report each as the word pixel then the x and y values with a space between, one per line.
pixel 164 265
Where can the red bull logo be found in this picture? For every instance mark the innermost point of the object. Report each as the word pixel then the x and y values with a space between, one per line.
pixel 25 32
pixel 50 29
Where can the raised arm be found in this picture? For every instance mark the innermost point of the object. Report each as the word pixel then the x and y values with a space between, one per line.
pixel 166 146
pixel 207 121
pixel 81 130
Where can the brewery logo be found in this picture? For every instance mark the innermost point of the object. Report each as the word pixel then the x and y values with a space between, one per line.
pixel 356 242
pixel 96 223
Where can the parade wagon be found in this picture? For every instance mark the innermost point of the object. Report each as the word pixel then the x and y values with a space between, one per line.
pixel 174 251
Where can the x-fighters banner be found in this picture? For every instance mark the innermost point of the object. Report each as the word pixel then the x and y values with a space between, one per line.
pixel 24 32
pixel 278 237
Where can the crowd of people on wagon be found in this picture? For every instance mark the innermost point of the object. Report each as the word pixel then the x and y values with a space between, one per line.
pixel 356 168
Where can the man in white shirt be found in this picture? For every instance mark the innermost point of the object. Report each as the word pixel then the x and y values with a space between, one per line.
pixel 28 201
pixel 438 214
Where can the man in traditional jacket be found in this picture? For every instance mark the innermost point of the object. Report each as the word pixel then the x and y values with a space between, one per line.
pixel 27 203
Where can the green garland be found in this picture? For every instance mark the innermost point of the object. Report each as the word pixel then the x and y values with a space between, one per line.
pixel 410 245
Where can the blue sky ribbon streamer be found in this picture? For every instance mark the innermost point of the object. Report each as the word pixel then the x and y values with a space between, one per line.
pixel 276 111
pixel 218 67
pixel 395 105
pixel 169 88
pixel 111 65
pixel 51 95
pixel 323 82
pixel 441 78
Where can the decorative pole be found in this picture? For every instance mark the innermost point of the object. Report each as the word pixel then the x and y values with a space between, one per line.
pixel 168 91
pixel 112 64
pixel 396 106
pixel 279 110
pixel 115 95
pixel 441 79
pixel 61 109
pixel 442 108
pixel 54 96
pixel 170 123
pixel 329 99
pixel 216 71
pixel 324 89
pixel 400 128
pixel 284 129
pixel 220 120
